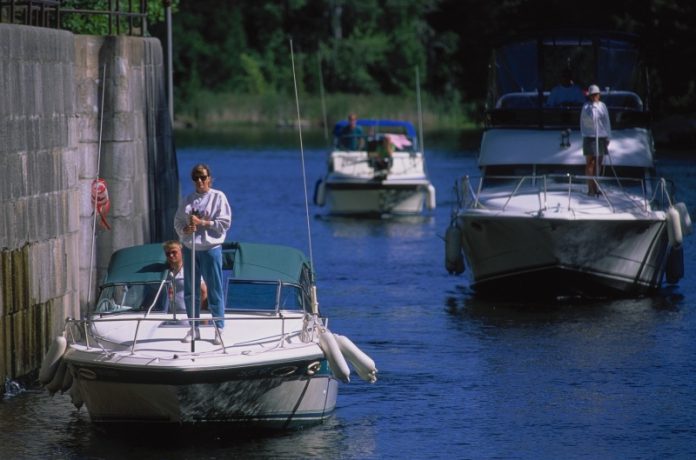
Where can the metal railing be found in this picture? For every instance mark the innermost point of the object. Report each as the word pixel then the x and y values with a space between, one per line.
pixel 635 192
pixel 123 16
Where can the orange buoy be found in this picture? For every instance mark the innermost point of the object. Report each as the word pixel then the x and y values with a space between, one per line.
pixel 100 201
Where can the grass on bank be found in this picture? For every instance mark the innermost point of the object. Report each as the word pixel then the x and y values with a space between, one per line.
pixel 212 111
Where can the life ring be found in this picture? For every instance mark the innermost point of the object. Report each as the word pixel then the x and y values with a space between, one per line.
pixel 101 202
pixel 674 227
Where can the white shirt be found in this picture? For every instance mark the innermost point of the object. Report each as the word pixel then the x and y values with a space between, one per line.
pixel 594 120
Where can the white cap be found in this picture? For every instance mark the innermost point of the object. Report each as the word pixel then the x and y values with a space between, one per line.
pixel 593 89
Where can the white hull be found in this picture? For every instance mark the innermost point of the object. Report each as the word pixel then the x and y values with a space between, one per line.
pixel 376 198
pixel 270 401
pixel 562 256
pixel 162 380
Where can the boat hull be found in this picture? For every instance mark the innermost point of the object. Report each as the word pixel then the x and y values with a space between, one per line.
pixel 284 395
pixel 532 256
pixel 376 198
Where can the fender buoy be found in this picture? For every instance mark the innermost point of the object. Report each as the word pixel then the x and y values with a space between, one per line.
pixel 51 361
pixel 674 227
pixel 675 264
pixel 320 193
pixel 76 396
pixel 363 364
pixel 431 203
pixel 56 382
pixel 685 218
pixel 100 201
pixel 454 260
pixel 328 344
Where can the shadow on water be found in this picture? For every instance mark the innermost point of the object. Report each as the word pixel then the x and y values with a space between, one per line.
pixel 511 313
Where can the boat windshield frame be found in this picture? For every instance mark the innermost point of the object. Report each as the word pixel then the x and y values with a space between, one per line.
pixel 266 297
pixel 523 72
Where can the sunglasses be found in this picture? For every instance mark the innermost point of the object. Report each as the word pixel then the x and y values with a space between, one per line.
pixel 169 253
pixel 197 178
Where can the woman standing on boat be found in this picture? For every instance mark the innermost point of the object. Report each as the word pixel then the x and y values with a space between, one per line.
pixel 203 219
pixel 595 127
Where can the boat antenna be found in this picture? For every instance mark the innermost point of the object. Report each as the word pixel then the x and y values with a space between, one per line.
pixel 304 174
pixel 323 102
pixel 420 112
pixel 94 221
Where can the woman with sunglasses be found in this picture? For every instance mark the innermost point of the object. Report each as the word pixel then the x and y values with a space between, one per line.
pixel 203 219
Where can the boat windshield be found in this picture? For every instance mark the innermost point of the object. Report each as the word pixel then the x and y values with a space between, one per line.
pixel 524 75
pixel 264 296
pixel 131 297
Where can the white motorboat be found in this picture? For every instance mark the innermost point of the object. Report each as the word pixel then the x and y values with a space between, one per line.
pixel 526 226
pixel 358 182
pixel 277 364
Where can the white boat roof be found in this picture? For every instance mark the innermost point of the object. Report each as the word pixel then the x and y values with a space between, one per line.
pixel 628 147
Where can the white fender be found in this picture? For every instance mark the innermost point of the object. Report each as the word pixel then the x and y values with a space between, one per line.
pixel 67 381
pixel 320 193
pixel 685 218
pixel 339 366
pixel 454 260
pixel 363 364
pixel 674 271
pixel 50 363
pixel 76 396
pixel 674 227
pixel 432 202
pixel 56 382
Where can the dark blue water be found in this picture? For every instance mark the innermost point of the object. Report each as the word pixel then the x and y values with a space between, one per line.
pixel 458 377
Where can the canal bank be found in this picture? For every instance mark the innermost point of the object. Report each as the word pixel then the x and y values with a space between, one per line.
pixel 50 130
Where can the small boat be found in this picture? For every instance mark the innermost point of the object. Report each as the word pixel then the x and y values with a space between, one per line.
pixel 361 182
pixel 277 366
pixel 527 226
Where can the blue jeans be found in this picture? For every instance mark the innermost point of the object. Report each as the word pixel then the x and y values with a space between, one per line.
pixel 208 265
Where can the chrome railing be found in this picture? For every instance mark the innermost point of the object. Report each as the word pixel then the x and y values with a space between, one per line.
pixel 643 194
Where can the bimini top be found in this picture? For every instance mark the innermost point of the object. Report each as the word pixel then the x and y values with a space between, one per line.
pixel 269 262
pixel 137 264
pixel 380 126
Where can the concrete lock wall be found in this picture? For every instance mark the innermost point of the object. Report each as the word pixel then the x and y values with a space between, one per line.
pixel 50 125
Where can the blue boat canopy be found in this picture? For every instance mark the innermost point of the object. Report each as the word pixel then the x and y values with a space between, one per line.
pixel 380 126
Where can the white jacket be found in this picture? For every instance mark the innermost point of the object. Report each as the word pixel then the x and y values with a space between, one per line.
pixel 212 206
pixel 595 114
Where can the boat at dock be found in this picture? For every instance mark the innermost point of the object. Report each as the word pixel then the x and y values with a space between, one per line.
pixel 276 365
pixel 527 225
pixel 360 182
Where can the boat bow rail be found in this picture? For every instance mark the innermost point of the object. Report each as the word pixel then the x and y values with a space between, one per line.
pixel 498 193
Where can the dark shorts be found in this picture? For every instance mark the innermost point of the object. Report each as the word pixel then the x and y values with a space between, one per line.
pixel 589 146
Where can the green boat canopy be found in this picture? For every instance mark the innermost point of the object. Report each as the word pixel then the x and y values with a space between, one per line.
pixel 250 261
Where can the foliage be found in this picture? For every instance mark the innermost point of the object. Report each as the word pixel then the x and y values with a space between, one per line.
pixel 98 24
pixel 367 47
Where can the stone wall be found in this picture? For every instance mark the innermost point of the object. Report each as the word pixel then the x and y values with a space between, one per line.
pixel 50 127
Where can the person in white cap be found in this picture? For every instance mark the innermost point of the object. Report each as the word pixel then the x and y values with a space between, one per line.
pixel 595 127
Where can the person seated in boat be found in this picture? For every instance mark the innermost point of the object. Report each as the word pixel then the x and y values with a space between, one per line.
pixel 566 93
pixel 381 158
pixel 595 127
pixel 351 136
pixel 175 275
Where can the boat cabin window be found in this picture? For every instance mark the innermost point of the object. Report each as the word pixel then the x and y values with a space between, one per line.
pixel 263 296
pixel 132 297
